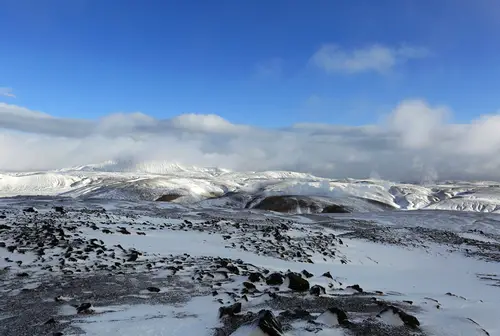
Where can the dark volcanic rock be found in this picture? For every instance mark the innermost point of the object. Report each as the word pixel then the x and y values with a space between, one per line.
pixel 84 308
pixel 250 286
pixel 295 314
pixel 307 274
pixel 123 230
pixel 341 315
pixel 335 208
pixel 327 275
pixel 230 310
pixel 255 277
pixel 266 324
pixel 409 320
pixel 317 290
pixel 356 287
pixel 274 279
pixel 59 209
pixel 50 321
pixel 168 198
pixel 233 269
pixel 297 283
pixel 287 204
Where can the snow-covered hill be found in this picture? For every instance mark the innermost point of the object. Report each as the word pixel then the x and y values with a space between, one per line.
pixel 224 188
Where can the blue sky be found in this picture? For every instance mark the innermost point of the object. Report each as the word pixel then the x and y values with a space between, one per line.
pixel 400 89
pixel 250 62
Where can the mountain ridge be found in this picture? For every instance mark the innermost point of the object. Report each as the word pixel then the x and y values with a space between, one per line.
pixel 222 187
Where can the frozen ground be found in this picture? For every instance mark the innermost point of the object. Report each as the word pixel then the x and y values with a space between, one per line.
pixel 80 266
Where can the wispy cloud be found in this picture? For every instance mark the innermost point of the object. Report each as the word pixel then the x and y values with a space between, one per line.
pixel 415 139
pixel 334 59
pixel 7 92
pixel 269 69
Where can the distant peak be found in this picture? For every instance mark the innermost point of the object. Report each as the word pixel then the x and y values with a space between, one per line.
pixel 149 167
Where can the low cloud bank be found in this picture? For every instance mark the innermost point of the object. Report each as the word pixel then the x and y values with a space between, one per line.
pixel 414 142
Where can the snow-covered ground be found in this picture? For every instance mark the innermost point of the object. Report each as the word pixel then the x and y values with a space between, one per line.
pixel 91 251
pixel 153 268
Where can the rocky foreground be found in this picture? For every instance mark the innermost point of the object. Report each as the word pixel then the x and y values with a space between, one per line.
pixel 121 268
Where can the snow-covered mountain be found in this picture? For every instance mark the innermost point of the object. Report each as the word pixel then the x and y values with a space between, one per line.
pixel 224 188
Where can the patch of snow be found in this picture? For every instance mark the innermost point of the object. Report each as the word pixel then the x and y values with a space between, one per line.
pixel 197 317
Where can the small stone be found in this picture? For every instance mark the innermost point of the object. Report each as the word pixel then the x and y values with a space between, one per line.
pixel 356 287
pixel 317 290
pixel 84 308
pixel 50 321
pixel 307 274
pixel 327 275
pixel 250 286
pixel 230 310
pixel 274 279
pixel 296 314
pixel 409 320
pixel 255 277
pixel 59 209
pixel 297 283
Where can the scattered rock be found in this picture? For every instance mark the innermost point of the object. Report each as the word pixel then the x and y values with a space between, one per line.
pixel 327 275
pixel 50 321
pixel 230 310
pixel 274 279
pixel 307 274
pixel 233 269
pixel 335 208
pixel 392 314
pixel 295 314
pixel 30 209
pixel 317 290
pixel 124 231
pixel 356 288
pixel 333 316
pixel 250 286
pixel 297 283
pixel 59 209
pixel 84 308
pixel 287 204
pixel 265 324
pixel 168 198
pixel 255 277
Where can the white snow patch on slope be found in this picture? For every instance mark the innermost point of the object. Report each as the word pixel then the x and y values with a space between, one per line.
pixel 197 317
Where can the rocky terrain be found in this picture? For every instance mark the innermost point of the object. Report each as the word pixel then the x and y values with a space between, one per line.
pixel 102 267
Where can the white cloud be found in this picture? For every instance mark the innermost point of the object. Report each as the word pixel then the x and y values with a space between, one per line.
pixel 414 141
pixel 7 92
pixel 205 123
pixel 417 123
pixel 334 59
